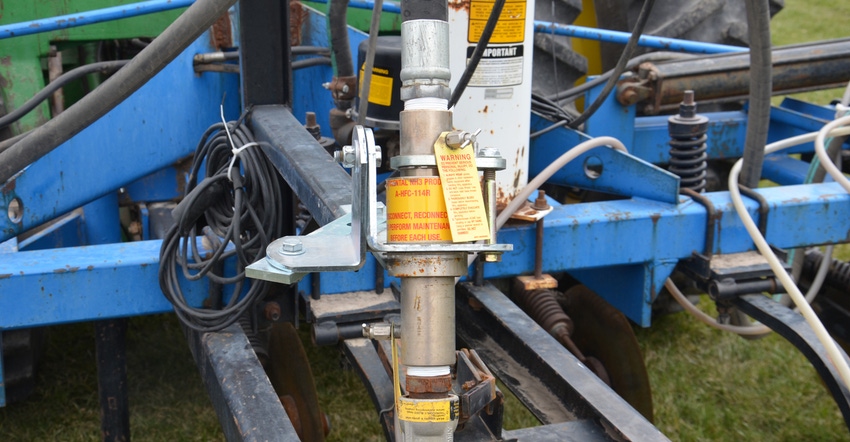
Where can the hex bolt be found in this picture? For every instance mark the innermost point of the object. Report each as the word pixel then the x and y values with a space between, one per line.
pixel 458 139
pixel 291 246
pixel 346 156
pixel 272 311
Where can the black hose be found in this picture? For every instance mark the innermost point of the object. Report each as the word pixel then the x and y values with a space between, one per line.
pixel 621 65
pixel 338 29
pixel 483 41
pixel 177 37
pixel 761 85
pixel 103 67
pixel 307 62
pixel 574 93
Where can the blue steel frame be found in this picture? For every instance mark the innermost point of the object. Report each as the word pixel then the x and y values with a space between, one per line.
pixel 622 249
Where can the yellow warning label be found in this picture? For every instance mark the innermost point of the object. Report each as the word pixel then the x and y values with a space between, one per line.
pixel 462 191
pixel 411 410
pixel 509 29
pixel 381 86
pixel 416 210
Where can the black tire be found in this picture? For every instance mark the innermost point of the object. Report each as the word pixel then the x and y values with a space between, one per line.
pixel 712 21
pixel 556 66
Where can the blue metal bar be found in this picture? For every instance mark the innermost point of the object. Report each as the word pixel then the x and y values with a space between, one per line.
pixel 130 142
pixel 604 35
pixel 73 284
pixel 90 17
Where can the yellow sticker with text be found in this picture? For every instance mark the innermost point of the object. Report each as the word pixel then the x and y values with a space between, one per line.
pixel 416 210
pixel 462 192
pixel 411 410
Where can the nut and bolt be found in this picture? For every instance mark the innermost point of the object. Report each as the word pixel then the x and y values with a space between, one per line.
pixel 458 139
pixel 291 246
pixel 380 331
pixel 347 156
pixel 540 203
pixel 272 311
pixel 489 152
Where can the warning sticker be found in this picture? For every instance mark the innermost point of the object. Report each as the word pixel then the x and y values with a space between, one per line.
pixel 416 210
pixel 381 86
pixel 462 191
pixel 411 410
pixel 499 66
pixel 509 29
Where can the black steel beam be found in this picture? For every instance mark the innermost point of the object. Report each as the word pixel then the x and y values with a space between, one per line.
pixel 111 349
pixel 549 380
pixel 264 52
pixel 793 327
pixel 243 398
pixel 320 183
pixel 575 431
pixel 370 367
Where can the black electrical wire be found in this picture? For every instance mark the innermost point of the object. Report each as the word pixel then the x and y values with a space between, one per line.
pixel 305 50
pixel 103 67
pixel 620 67
pixel 177 37
pixel 483 41
pixel 239 219
pixel 761 85
pixel 314 61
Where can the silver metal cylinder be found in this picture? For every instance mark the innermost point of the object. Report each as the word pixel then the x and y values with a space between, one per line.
pixel 428 321
pixel 420 129
pixel 425 68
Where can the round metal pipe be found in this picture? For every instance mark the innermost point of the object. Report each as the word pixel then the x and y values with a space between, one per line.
pixel 428 321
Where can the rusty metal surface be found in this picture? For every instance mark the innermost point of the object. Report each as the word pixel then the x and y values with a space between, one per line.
pixel 796 68
pixel 289 372
pixel 544 376
pixel 603 332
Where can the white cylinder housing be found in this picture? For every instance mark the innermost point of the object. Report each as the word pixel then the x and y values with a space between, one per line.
pixel 497 99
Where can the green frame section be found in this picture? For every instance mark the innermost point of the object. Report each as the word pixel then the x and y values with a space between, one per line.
pixel 21 58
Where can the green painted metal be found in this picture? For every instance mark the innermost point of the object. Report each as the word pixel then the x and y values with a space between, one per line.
pixel 22 72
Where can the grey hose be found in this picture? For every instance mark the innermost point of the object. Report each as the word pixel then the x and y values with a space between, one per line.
pixel 761 84
pixel 177 37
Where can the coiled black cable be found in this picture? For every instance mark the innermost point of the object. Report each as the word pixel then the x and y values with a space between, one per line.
pixel 236 219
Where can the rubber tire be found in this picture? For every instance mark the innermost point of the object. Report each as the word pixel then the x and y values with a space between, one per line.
pixel 712 21
pixel 556 66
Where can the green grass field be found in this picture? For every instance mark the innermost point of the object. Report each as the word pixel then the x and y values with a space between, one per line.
pixel 707 385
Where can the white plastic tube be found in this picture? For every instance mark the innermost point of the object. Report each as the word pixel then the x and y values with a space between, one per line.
pixel 764 248
pixel 550 170
pixel 826 162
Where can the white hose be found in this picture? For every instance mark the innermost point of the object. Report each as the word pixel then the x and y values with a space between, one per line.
pixel 764 248
pixel 746 330
pixel 550 170
pixel 826 162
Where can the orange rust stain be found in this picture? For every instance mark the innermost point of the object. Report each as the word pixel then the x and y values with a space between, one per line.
pixel 459 5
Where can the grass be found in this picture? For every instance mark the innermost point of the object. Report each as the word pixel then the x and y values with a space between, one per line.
pixel 707 385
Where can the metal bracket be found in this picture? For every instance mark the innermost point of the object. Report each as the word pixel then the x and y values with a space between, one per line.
pixel 791 326
pixel 341 245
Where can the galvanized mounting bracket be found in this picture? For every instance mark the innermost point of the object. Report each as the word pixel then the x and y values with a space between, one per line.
pixel 341 245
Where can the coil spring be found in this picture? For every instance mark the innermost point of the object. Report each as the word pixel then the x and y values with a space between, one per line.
pixel 837 277
pixel 688 157
pixel 688 160
pixel 542 306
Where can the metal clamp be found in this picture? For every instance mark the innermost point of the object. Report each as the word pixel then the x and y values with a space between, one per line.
pixel 341 245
